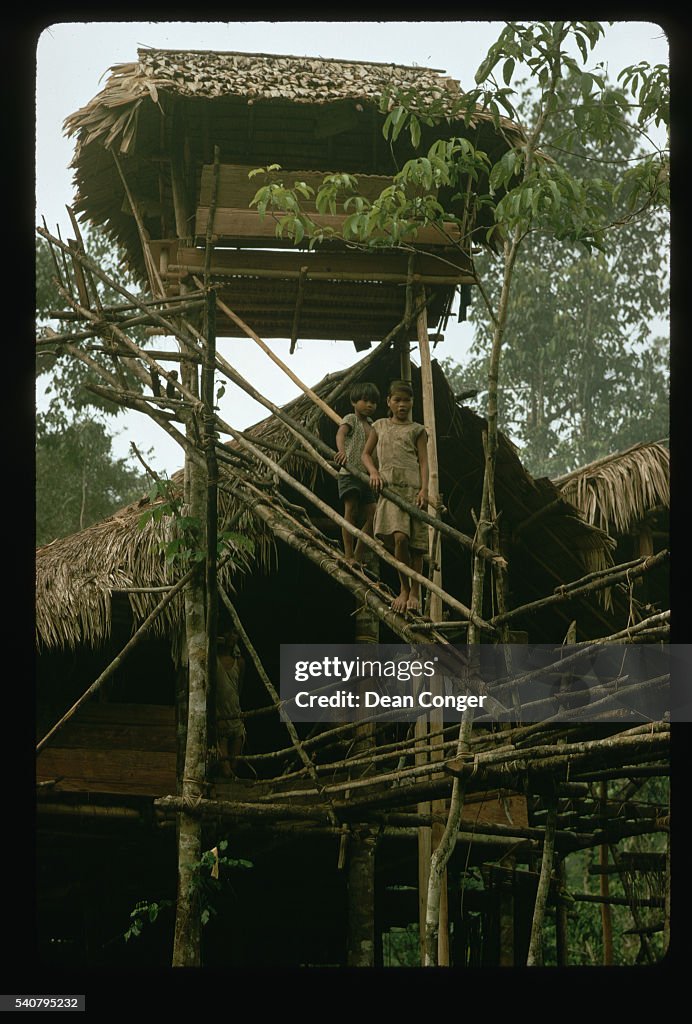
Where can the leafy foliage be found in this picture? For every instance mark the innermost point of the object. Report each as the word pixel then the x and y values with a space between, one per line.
pixel 78 481
pixel 581 375
pixel 210 877
pixel 187 546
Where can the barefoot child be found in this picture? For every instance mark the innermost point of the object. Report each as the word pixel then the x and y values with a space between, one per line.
pixel 359 500
pixel 402 454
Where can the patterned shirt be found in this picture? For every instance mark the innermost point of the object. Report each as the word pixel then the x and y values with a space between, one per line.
pixel 354 442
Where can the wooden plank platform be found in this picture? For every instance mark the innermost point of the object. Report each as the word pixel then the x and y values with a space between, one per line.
pixel 239 225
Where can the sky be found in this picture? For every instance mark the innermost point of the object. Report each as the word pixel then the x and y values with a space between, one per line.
pixel 72 62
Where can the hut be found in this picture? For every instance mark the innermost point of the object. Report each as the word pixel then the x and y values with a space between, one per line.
pixel 103 780
pixel 145 172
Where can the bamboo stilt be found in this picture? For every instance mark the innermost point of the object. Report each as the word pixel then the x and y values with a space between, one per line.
pixel 435 610
pixel 606 916
pixel 535 955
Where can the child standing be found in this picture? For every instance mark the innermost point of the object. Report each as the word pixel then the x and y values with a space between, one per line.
pixel 359 500
pixel 402 454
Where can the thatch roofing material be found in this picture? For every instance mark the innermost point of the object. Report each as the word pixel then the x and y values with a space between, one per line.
pixel 277 76
pixel 76 575
pixel 617 491
pixel 202 74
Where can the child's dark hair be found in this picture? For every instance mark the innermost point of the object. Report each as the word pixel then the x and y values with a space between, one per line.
pixel 400 385
pixel 364 390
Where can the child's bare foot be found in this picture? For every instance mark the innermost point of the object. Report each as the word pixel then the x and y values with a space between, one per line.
pixel 413 604
pixel 399 603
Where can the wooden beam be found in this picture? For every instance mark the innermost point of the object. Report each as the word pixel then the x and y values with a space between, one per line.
pixel 299 302
pixel 235 224
pixel 279 362
pixel 445 263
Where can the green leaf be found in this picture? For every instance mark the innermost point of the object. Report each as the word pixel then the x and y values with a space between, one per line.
pixel 484 70
pixel 414 128
pixel 507 70
pixel 579 39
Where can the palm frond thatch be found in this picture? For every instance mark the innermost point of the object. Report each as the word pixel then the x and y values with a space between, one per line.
pixel 76 576
pixel 617 491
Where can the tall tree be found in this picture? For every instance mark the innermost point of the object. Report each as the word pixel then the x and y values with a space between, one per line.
pixel 78 480
pixel 582 373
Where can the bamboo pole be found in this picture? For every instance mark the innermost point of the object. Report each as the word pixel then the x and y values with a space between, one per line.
pixel 447 280
pixel 443 852
pixel 403 344
pixel 666 899
pixel 268 685
pixel 187 939
pixel 561 919
pixel 155 281
pixel 279 362
pixel 435 611
pixel 535 955
pixel 212 469
pixel 606 578
pixel 87 273
pixel 302 276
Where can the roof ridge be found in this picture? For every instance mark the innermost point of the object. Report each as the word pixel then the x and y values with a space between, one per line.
pixel 293 56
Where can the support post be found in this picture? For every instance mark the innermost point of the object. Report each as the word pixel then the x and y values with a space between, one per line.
pixel 361 842
pixel 361 899
pixel 439 807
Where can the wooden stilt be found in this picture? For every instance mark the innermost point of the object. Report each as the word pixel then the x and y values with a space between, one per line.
pixel 561 921
pixel 403 345
pixel 299 303
pixel 439 807
pixel 606 915
pixel 361 899
pixel 358 846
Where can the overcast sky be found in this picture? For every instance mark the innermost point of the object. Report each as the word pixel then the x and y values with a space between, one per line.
pixel 72 63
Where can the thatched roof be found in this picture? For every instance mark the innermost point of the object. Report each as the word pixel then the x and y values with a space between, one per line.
pixel 78 575
pixel 111 115
pixel 617 491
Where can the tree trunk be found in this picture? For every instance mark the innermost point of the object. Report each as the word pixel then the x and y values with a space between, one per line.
pixel 361 900
pixel 535 957
pixel 187 939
